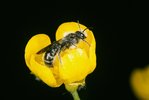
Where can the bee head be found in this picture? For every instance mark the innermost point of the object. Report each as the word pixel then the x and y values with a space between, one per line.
pixel 80 35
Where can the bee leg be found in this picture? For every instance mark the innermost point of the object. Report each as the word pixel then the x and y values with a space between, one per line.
pixel 86 42
pixel 73 44
pixel 59 57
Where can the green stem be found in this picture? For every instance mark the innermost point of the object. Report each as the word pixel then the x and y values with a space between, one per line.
pixel 75 95
pixel 73 90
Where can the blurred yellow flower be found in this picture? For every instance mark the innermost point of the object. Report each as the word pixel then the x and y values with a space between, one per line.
pixel 76 64
pixel 140 83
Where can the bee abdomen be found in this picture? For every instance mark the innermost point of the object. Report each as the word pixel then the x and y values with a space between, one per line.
pixel 48 63
pixel 48 59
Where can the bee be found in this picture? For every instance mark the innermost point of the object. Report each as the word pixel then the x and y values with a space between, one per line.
pixel 50 52
pixel 57 46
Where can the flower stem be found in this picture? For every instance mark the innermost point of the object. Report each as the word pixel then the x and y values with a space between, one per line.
pixel 72 88
pixel 75 95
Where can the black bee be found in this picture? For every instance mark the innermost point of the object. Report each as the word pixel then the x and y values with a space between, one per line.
pixel 50 52
pixel 56 47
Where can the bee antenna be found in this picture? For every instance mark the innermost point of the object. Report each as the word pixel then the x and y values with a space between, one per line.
pixel 84 30
pixel 87 28
pixel 86 42
pixel 79 25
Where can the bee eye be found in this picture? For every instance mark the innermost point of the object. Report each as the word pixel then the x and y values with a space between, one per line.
pixel 82 36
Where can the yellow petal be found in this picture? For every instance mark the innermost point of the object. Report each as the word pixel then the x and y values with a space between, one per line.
pixel 44 73
pixel 92 55
pixel 35 62
pixel 66 28
pixel 140 83
pixel 74 66
pixel 35 44
pixel 72 27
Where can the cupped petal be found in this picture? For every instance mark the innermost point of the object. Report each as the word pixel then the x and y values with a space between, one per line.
pixel 72 27
pixel 92 55
pixel 43 72
pixel 35 44
pixel 66 28
pixel 35 62
pixel 74 65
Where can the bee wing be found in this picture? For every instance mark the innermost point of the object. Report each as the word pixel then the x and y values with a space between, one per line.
pixel 44 49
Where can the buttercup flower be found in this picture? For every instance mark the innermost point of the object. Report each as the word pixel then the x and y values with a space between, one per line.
pixel 140 83
pixel 76 63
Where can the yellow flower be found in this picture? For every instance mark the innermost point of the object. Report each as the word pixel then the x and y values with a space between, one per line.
pixel 140 83
pixel 76 64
